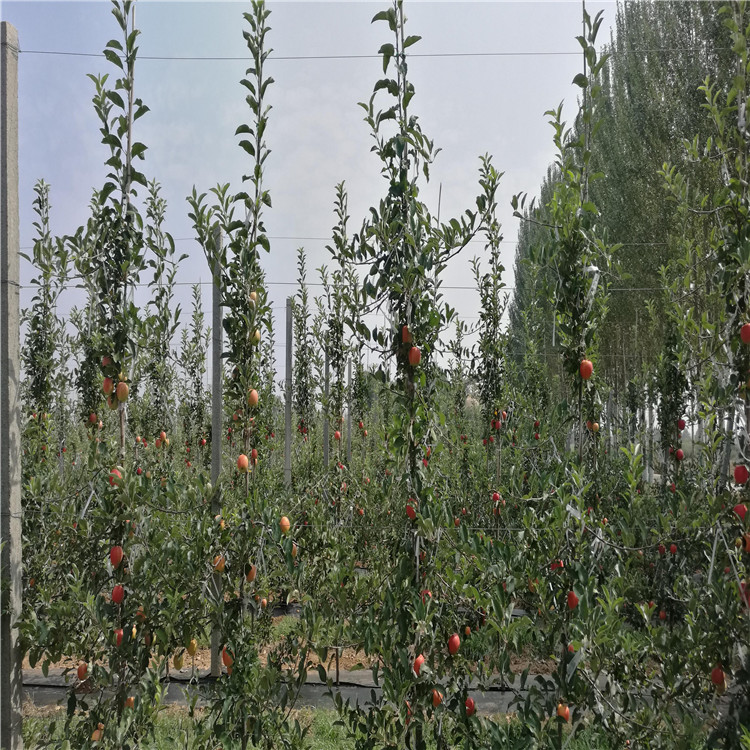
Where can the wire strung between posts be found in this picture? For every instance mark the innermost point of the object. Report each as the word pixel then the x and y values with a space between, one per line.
pixel 244 58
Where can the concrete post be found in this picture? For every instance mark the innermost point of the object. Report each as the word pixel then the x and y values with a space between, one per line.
pixel 217 413
pixel 349 415
pixel 288 406
pixel 10 416
pixel 326 446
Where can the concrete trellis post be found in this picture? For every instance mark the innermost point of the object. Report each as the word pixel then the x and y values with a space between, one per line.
pixel 288 405
pixel 10 417
pixel 326 446
pixel 349 417
pixel 217 413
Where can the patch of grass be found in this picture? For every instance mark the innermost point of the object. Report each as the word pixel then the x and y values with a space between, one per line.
pixel 284 627
pixel 326 736
pixel 175 728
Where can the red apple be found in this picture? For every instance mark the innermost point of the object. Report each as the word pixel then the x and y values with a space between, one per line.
pixel 740 509
pixel 115 556
pixel 453 644
pixel 470 706
pixel 586 369
pixel 418 662
pixel 680 454
pixel 118 594
pixel 415 356
pixel 745 333
pixel 572 600
pixel 740 474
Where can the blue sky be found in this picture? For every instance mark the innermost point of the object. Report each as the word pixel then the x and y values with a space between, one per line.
pixel 470 105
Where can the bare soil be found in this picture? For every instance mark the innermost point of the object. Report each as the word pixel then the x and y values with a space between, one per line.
pixel 349 660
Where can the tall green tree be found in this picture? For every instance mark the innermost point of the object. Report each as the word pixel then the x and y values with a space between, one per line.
pixel 659 55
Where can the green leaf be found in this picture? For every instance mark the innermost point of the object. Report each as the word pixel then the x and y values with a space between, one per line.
pixel 249 147
pixel 111 140
pixel 411 40
pixel 581 80
pixel 138 177
pixel 573 664
pixel 115 98
pixel 387 51
pixel 113 58
pixel 138 149
pixel 106 191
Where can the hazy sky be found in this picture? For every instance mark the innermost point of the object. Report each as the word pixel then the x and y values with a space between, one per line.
pixel 470 104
